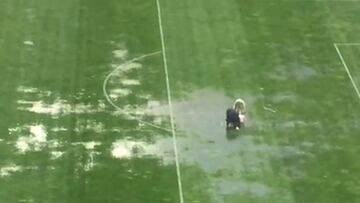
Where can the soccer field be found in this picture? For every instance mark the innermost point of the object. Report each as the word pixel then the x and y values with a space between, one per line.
pixel 124 101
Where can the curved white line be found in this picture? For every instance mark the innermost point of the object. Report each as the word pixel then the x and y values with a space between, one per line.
pixel 106 81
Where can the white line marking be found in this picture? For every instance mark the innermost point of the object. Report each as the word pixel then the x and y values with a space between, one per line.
pixel 177 162
pixel 106 81
pixel 347 69
pixel 347 44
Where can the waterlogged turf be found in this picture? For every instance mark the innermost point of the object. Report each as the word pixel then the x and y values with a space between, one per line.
pixel 81 121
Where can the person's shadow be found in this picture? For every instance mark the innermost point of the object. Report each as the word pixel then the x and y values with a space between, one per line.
pixel 232 133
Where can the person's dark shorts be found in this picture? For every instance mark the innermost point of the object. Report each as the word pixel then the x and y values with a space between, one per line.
pixel 232 119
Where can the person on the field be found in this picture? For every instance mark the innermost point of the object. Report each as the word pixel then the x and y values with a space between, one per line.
pixel 235 116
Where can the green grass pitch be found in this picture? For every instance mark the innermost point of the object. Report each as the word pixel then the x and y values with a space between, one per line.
pixel 86 88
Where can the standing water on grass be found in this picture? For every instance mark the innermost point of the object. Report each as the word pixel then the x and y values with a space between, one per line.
pixel 82 121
